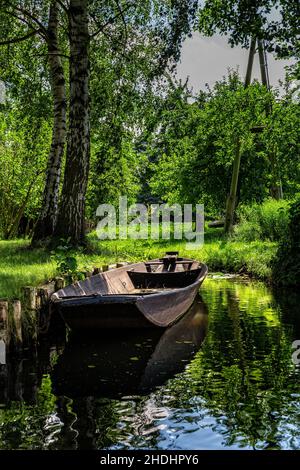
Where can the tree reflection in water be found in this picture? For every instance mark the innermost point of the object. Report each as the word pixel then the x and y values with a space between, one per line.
pixel 234 387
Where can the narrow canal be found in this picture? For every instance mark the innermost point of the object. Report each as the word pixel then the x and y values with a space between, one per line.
pixel 221 378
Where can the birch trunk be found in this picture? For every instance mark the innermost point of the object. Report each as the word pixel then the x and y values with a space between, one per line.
pixel 70 222
pixel 46 222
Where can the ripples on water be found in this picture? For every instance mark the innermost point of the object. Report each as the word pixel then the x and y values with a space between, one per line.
pixel 220 378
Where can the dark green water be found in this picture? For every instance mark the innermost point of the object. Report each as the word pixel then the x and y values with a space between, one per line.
pixel 222 378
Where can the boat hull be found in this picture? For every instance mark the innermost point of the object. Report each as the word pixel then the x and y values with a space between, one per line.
pixel 100 312
pixel 132 297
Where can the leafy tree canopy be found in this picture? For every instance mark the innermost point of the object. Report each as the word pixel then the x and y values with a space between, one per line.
pixel 277 22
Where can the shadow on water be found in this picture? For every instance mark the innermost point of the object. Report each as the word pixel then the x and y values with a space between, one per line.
pixel 119 363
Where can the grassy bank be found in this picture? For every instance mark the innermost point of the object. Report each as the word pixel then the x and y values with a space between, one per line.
pixel 20 265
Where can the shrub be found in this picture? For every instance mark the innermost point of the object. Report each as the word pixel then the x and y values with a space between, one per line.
pixel 286 266
pixel 66 262
pixel 267 221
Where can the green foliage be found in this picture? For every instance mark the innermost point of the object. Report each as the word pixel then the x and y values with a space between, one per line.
pixel 192 150
pixel 286 265
pixel 23 156
pixel 115 173
pixel 23 424
pixel 274 21
pixel 127 82
pixel 66 261
pixel 266 221
pixel 25 127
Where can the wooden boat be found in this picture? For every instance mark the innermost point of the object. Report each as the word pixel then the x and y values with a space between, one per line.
pixel 152 293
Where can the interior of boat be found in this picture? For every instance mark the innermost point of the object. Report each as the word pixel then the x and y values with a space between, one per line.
pixel 143 278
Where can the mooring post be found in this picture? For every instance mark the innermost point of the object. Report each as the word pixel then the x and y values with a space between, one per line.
pixel 121 264
pixel 16 316
pixel 105 267
pixel 88 274
pixel 59 283
pixel 96 271
pixel 44 311
pixel 29 315
pixel 4 326
pixel 43 296
pixel 29 297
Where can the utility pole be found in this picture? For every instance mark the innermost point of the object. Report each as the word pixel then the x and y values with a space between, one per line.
pixel 276 187
pixel 231 200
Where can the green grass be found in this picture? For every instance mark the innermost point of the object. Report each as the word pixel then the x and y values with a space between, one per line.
pixel 266 221
pixel 20 265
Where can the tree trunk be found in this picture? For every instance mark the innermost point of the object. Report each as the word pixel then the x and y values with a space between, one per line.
pixel 12 232
pixel 47 218
pixel 70 222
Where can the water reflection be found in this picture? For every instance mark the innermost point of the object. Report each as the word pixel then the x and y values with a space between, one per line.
pixel 166 389
pixel 122 363
pixel 93 372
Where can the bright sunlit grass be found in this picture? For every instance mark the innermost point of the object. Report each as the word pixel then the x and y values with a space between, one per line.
pixel 20 265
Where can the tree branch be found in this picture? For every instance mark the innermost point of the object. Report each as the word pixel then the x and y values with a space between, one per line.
pixel 23 20
pixel 33 18
pixel 120 43
pixel 111 20
pixel 64 7
pixel 123 19
pixel 22 38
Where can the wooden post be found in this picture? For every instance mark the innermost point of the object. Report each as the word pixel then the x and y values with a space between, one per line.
pixel 105 267
pixel 44 312
pixel 4 326
pixel 29 316
pixel 250 62
pixel 43 297
pixel 276 186
pixel 29 297
pixel 231 201
pixel 59 283
pixel 263 64
pixel 16 311
pixel 96 271
pixel 87 274
pixel 121 264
